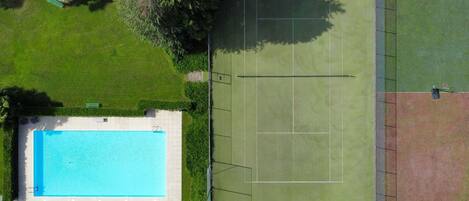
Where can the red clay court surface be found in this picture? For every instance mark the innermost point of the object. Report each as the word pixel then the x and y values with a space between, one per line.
pixel 431 139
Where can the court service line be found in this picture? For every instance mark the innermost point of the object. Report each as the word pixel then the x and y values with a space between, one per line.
pixel 289 133
pixel 342 101
pixel 244 82
pixel 288 18
pixel 297 182
pixel 330 101
pixel 293 72
pixel 257 38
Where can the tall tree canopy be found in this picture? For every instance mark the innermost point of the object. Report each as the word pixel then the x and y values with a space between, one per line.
pixel 179 25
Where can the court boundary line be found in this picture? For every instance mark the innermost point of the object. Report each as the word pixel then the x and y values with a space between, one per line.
pixel 289 18
pixel 297 182
pixel 291 133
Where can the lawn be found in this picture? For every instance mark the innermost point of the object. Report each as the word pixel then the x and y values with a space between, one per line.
pixel 77 56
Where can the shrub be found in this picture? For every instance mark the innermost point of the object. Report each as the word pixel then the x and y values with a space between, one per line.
pixel 76 111
pixel 9 162
pixel 197 146
pixel 164 105
pixel 192 62
pixel 198 93
pixel 199 188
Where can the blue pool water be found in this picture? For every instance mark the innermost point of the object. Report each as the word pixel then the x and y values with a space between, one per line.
pixel 100 163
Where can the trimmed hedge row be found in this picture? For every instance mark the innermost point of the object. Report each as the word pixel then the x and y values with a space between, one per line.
pixel 198 93
pixel 197 142
pixel 192 62
pixel 164 105
pixel 77 111
pixel 9 187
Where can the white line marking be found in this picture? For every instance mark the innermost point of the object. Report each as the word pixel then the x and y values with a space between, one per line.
pixel 297 182
pixel 342 101
pixel 288 18
pixel 292 133
pixel 244 82
pixel 293 73
pixel 257 160
pixel 330 102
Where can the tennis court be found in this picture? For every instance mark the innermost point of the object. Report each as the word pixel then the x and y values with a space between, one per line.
pixel 293 95
pixel 426 139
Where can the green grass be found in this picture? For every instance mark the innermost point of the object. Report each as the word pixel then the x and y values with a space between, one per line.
pixel 292 130
pixel 78 56
pixel 432 45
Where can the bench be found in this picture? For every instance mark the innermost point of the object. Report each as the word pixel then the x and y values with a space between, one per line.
pixel 56 3
pixel 93 105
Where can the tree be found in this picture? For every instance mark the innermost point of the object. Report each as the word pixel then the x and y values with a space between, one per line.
pixel 7 3
pixel 179 25
pixel 4 108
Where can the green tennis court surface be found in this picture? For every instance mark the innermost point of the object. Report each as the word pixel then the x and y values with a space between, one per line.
pixel 432 45
pixel 293 101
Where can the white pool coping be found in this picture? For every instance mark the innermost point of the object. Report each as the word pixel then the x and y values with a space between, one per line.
pixel 168 121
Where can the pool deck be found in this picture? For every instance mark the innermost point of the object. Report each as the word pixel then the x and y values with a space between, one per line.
pixel 169 121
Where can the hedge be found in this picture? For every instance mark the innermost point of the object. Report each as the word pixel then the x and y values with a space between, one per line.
pixel 197 140
pixel 9 187
pixel 198 93
pixel 75 111
pixel 164 105
pixel 192 62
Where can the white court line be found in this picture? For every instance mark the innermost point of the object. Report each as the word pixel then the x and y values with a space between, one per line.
pixel 330 102
pixel 257 160
pixel 292 133
pixel 288 18
pixel 244 82
pixel 297 182
pixel 342 102
pixel 293 73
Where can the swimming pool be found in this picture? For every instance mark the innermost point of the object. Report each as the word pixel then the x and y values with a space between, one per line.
pixel 99 163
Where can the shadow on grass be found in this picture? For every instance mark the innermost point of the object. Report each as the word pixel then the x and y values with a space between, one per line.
pixel 247 25
pixel 20 99
pixel 93 5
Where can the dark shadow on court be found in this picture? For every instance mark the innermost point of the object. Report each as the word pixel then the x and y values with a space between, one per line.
pixel 250 24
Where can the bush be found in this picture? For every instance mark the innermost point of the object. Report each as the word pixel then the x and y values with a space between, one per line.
pixel 199 188
pixel 9 162
pixel 164 105
pixel 197 146
pixel 192 62
pixel 76 111
pixel 198 93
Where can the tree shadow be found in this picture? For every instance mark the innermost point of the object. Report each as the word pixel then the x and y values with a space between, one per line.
pixel 247 25
pixel 93 5
pixel 12 4
pixel 20 100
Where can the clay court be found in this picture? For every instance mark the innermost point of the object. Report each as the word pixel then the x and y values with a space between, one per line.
pixel 432 146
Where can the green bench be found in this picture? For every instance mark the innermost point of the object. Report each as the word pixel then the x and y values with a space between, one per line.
pixel 93 105
pixel 56 3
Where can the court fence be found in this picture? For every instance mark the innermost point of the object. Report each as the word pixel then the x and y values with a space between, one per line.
pixel 386 86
